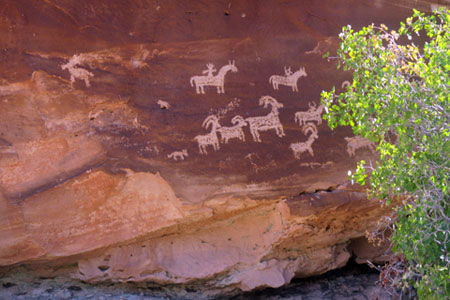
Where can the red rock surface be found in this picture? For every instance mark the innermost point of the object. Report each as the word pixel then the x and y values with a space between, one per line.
pixel 100 128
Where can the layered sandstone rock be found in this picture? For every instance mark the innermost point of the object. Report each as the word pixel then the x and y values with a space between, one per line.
pixel 179 143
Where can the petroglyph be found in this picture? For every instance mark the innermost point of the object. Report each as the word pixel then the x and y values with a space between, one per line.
pixel 289 79
pixel 321 47
pixel 178 155
pixel 312 114
pixel 270 121
pixel 210 138
pixel 212 80
pixel 75 71
pixel 358 142
pixel 345 84
pixel 163 104
pixel 299 148
pixel 228 133
pixel 221 112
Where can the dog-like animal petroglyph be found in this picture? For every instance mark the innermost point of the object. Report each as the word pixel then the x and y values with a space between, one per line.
pixel 228 133
pixel 178 155
pixel 76 72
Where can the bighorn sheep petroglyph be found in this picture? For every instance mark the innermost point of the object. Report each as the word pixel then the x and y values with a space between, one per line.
pixel 270 121
pixel 210 138
pixel 290 79
pixel 227 133
pixel 312 114
pixel 299 148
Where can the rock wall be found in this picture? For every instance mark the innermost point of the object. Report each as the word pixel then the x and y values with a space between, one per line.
pixel 179 142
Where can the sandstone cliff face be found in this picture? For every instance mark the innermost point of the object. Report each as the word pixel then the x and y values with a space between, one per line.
pixel 179 142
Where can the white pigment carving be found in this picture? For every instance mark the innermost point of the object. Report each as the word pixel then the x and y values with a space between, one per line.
pixel 178 155
pixel 75 71
pixel 163 104
pixel 210 138
pixel 312 114
pixel 358 142
pixel 227 133
pixel 270 121
pixel 345 84
pixel 299 148
pixel 210 80
pixel 290 79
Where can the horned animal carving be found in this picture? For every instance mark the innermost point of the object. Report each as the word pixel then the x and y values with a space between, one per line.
pixel 210 138
pixel 290 79
pixel 358 142
pixel 299 148
pixel 270 121
pixel 312 114
pixel 227 133
pixel 178 154
pixel 210 80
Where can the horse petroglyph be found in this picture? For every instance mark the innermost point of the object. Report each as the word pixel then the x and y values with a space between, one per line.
pixel 289 79
pixel 312 114
pixel 227 133
pixel 358 142
pixel 270 121
pixel 210 138
pixel 209 79
pixel 75 71
pixel 178 155
pixel 299 148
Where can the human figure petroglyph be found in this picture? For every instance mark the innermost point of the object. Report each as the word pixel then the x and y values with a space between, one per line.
pixel 290 79
pixel 228 133
pixel 358 142
pixel 209 80
pixel 312 114
pixel 178 155
pixel 210 138
pixel 163 104
pixel 75 71
pixel 270 121
pixel 299 148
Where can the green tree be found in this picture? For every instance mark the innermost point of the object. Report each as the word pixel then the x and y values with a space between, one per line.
pixel 399 99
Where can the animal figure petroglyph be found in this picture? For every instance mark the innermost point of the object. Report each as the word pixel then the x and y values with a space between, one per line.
pixel 210 138
pixel 358 142
pixel 178 155
pixel 270 121
pixel 345 84
pixel 299 148
pixel 76 72
pixel 312 114
pixel 290 79
pixel 210 80
pixel 228 133
pixel 163 104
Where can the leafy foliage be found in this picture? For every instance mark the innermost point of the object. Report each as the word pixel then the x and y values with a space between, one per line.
pixel 399 99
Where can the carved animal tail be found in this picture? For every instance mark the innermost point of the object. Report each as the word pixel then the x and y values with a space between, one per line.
pixel 192 81
pixel 271 79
